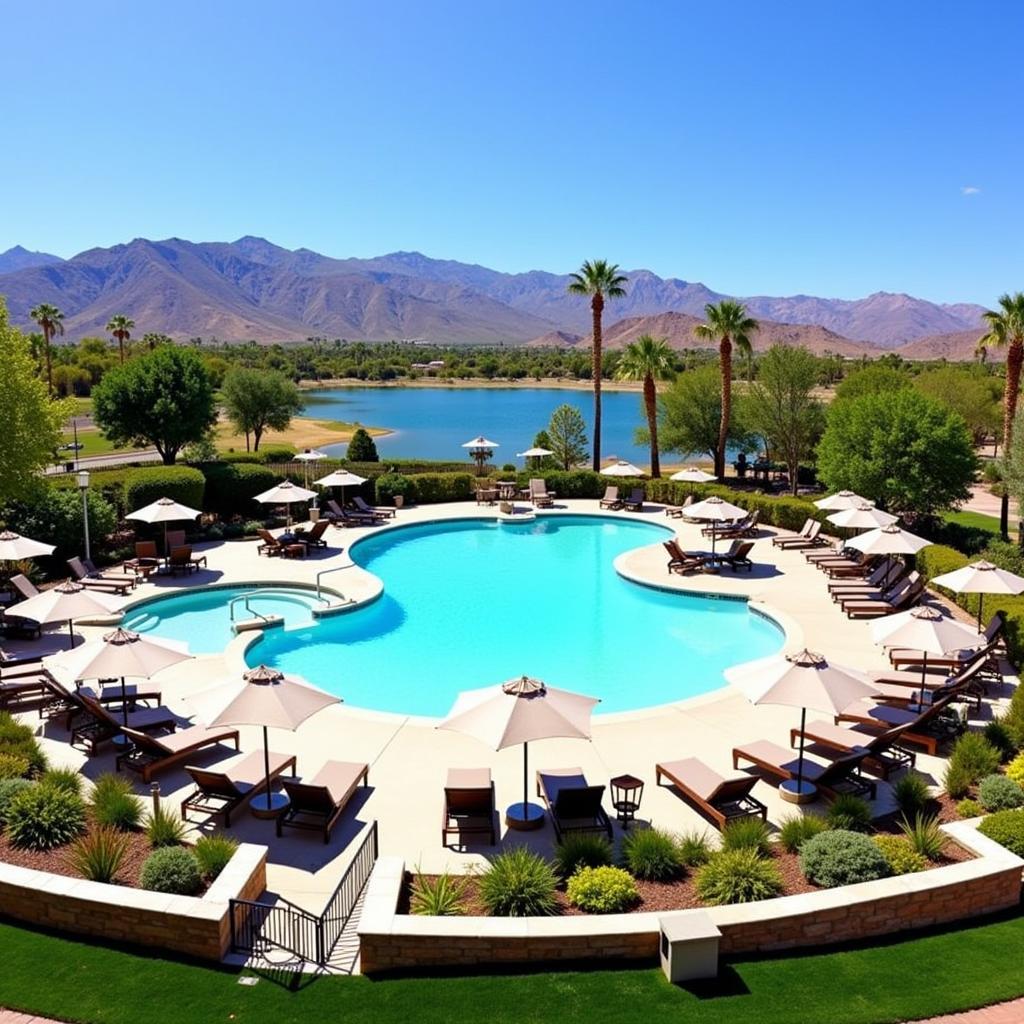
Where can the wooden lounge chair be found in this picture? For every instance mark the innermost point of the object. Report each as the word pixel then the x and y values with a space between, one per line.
pixel 635 501
pixel 181 559
pixel 859 566
pixel 269 544
pixel 91 723
pixel 373 510
pixel 885 574
pixel 679 511
pixel 928 728
pixel 25 692
pixel 574 805
pixel 347 516
pixel 14 625
pixel 905 595
pixel 317 805
pixel 843 775
pixel 738 555
pixel 150 755
pixel 834 552
pixel 720 799
pixel 990 643
pixel 468 804
pixel 539 494
pixel 681 561
pixel 745 527
pixel 885 754
pixel 315 537
pixel 611 498
pixel 108 585
pixel 146 561
pixel 233 783
pixel 805 538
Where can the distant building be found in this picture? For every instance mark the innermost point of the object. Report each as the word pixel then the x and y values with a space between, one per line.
pixel 434 364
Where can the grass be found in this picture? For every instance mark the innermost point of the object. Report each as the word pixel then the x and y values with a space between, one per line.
pixel 302 432
pixel 974 521
pixel 92 442
pixel 76 981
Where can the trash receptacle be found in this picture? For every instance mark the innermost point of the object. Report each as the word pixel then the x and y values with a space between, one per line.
pixel 689 945
pixel 314 515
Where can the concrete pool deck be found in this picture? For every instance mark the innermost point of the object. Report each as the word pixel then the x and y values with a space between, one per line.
pixel 409 758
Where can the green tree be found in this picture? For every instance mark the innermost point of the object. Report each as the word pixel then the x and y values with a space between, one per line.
pixel 54 516
pixel 599 280
pixel 30 421
pixel 649 360
pixel 51 323
pixel 567 436
pixel 163 398
pixel 728 325
pixel 259 400
pixel 873 379
pixel 910 454
pixel 542 440
pixel 120 326
pixel 361 447
pixel 968 390
pixel 1006 330
pixel 781 405
pixel 690 415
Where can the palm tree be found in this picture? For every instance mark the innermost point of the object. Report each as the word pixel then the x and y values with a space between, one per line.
pixel 51 323
pixel 120 326
pixel 1006 327
pixel 648 359
pixel 600 280
pixel 729 325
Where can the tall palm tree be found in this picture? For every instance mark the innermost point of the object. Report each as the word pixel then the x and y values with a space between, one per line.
pixel 120 326
pixel 1006 327
pixel 648 359
pixel 600 280
pixel 728 324
pixel 51 323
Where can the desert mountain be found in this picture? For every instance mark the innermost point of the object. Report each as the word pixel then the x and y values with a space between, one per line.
pixel 956 347
pixel 19 258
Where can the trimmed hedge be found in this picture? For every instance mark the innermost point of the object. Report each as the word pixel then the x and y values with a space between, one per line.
pixel 179 483
pixel 230 487
pixel 425 488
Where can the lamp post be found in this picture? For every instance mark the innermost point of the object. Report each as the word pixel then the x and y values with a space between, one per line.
pixel 83 486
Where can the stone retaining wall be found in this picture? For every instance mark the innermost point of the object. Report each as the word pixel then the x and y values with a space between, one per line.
pixel 196 926
pixel 986 884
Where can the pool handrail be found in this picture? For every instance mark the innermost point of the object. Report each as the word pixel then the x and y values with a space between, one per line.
pixel 324 572
pixel 263 591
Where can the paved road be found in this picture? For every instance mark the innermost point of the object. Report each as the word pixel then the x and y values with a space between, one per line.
pixel 106 461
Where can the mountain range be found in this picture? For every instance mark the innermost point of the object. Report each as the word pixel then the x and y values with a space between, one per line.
pixel 253 289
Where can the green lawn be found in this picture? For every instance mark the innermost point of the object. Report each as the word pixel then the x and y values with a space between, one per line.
pixel 93 443
pixel 901 980
pixel 974 520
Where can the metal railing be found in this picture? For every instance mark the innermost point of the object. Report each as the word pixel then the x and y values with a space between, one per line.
pixel 265 592
pixel 324 572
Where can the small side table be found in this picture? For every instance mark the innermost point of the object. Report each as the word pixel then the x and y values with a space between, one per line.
pixel 627 792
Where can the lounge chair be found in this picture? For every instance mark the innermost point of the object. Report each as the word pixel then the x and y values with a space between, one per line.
pixel 718 798
pixel 468 804
pixel 900 686
pixel 611 498
pixel 990 644
pixel 928 728
pixel 843 775
pixel 233 783
pixel 91 723
pixel 905 595
pixel 317 805
pixel 146 560
pixel 373 510
pixel 539 494
pixel 859 566
pixel 181 559
pixel 738 555
pixel 314 538
pixel 150 755
pixel 885 755
pixel 94 581
pixel 15 625
pixel 837 551
pixel 681 561
pixel 574 805
pixel 347 516
pixel 269 544
pixel 885 574
pixel 745 527
pixel 635 501
pixel 679 511
pixel 806 538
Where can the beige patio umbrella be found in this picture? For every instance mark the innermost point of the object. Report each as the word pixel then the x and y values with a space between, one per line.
pixel 480 449
pixel 306 457
pixel 65 603
pixel 14 547
pixel 340 478
pixel 285 493
pixel 842 499
pixel 803 680
pixel 621 468
pixel 164 510
pixel 693 475
pixel 265 697
pixel 520 711
pixel 923 629
pixel 534 453
pixel 863 517
pixel 888 540
pixel 715 510
pixel 981 578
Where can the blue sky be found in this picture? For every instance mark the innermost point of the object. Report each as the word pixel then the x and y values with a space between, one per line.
pixel 827 148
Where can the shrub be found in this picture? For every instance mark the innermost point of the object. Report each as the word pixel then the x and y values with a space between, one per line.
pixel 171 869
pixel 738 876
pixel 849 813
pixel 970 760
pixel 440 896
pixel 1005 828
pixel 901 857
pixel 912 793
pixel 924 835
pixel 98 856
pixel 13 766
pixel 391 484
pixel 602 890
pixel 9 789
pixel 999 793
pixel 1013 719
pixel 798 828
pixel 957 780
pixel 230 488
pixel 41 817
pixel 747 834
pixel 1015 769
pixel 999 734
pixel 19 740
pixel 969 808
pixel 579 850
pixel 433 488
pixel 652 854
pixel 66 779
pixel 694 849
pixel 213 853
pixel 182 484
pixel 115 804
pixel 164 828
pixel 518 883
pixel 842 857
pixel 54 516
pixel 361 447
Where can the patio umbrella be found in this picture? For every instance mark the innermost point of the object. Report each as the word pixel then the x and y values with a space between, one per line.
pixel 888 540
pixel 285 493
pixel 715 510
pixel 804 680
pixel 265 697
pixel 65 603
pixel 621 468
pixel 923 629
pixel 842 499
pixel 306 457
pixel 534 453
pixel 981 578
pixel 480 449
pixel 340 478
pixel 519 711
pixel 863 517
pixel 693 476
pixel 14 547
pixel 164 510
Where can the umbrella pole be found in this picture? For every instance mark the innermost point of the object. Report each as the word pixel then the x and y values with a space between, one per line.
pixel 71 635
pixel 266 764
pixel 526 785
pixel 166 552
pixel 800 759
pixel 981 604
pixel 924 670
pixel 124 703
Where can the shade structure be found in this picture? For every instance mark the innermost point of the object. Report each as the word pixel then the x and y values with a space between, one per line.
pixel 842 499
pixel 14 547
pixel 65 603
pixel 285 493
pixel 804 680
pixel 715 510
pixel 340 478
pixel 981 578
pixel 266 697
pixel 481 442
pixel 519 711
pixel 480 449
pixel 693 476
pixel 888 540
pixel 534 453
pixel 306 457
pixel 621 468
pixel 164 510
pixel 924 629
pixel 863 517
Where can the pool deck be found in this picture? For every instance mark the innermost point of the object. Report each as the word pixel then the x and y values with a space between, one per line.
pixel 409 758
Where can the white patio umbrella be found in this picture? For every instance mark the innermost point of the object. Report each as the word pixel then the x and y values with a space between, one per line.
pixel 340 478
pixel 842 499
pixel 888 540
pixel 715 510
pixel 981 578
pixel 863 517
pixel 803 680
pixel 693 475
pixel 519 711
pixel 480 449
pixel 14 547
pixel 621 468
pixel 923 629
pixel 265 697
pixel 306 457
pixel 285 493
pixel 65 603
pixel 164 510
pixel 534 453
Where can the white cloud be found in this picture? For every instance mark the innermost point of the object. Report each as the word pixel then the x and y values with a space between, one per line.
pixel 969 190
